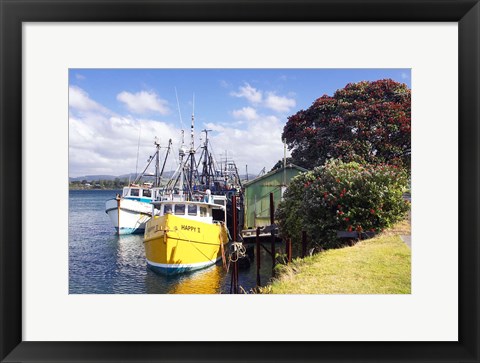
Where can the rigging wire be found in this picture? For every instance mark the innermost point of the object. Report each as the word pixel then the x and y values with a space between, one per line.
pixel 138 150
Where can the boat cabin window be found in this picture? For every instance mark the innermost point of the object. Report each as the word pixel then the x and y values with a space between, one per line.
pixel 167 208
pixel 180 209
pixel 219 202
pixel 147 193
pixel 192 210
pixel 203 211
pixel 218 215
pixel 134 192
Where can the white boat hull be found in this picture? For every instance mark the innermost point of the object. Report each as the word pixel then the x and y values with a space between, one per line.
pixel 128 216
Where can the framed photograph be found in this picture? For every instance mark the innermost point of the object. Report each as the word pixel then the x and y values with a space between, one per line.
pixel 138 137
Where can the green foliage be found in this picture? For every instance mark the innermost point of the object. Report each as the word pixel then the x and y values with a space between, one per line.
pixel 367 122
pixel 99 184
pixel 288 215
pixel 342 197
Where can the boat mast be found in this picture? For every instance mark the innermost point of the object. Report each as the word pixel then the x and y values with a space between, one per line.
pixel 206 162
pixel 192 152
pixel 149 161
pixel 165 160
pixel 181 168
pixel 157 162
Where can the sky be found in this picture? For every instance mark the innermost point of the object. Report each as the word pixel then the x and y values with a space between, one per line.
pixel 115 114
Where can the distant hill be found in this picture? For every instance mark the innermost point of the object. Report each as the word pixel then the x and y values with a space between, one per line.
pixel 166 174
pixel 93 178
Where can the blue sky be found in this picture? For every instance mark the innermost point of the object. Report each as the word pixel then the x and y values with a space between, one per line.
pixel 246 109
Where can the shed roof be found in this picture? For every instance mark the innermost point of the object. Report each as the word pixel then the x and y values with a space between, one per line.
pixel 273 172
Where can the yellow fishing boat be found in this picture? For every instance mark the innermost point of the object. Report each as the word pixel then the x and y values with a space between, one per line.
pixel 187 230
pixel 186 235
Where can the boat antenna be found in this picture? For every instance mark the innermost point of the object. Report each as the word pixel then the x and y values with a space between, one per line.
pixel 178 106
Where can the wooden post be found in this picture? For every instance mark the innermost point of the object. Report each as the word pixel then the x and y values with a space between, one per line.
pixel 236 275
pixel 234 217
pixel 257 254
pixel 235 238
pixel 304 244
pixel 231 279
pixel 272 232
pixel 289 250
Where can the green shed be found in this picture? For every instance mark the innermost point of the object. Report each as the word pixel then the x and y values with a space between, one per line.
pixel 257 194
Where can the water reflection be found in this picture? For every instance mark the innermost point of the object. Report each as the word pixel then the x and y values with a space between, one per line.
pixel 208 281
pixel 101 262
pixel 130 263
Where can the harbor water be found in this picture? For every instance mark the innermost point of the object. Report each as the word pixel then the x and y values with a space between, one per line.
pixel 101 262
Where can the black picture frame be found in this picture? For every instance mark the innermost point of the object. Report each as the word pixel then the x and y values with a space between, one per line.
pixel 14 12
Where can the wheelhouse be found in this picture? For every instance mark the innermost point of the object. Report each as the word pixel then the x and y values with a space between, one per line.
pixel 210 211
pixel 141 193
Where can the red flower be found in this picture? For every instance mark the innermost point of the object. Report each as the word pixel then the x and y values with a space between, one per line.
pixel 346 219
pixel 350 228
pixel 372 211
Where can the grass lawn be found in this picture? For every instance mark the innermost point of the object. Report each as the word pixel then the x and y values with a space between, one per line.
pixel 380 265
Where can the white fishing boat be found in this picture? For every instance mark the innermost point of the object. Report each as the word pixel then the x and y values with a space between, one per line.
pixel 130 211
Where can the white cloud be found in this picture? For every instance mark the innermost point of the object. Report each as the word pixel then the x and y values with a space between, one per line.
pixel 108 145
pixel 265 99
pixel 245 113
pixel 103 143
pixel 250 93
pixel 404 75
pixel 79 76
pixel 143 102
pixel 215 127
pixel 79 100
pixel 279 103
pixel 258 145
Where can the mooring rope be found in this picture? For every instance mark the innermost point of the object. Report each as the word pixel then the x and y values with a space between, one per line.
pixel 238 251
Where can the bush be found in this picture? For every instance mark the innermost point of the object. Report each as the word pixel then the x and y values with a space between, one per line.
pixel 342 197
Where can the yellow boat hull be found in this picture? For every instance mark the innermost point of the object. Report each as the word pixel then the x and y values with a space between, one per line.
pixel 175 244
